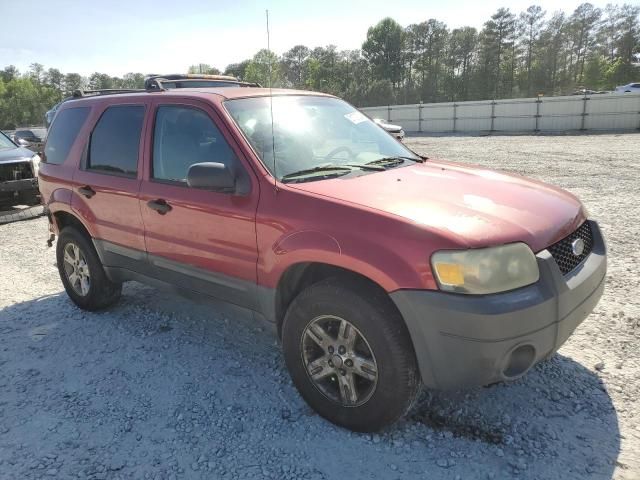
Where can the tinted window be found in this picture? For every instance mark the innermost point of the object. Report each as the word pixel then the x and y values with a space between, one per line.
pixel 115 141
pixel 182 137
pixel 63 133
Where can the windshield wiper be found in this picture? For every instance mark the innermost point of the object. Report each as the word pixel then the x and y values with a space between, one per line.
pixel 396 160
pixel 325 168
pixel 366 166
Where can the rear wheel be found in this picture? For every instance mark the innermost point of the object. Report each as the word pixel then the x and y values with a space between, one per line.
pixel 350 355
pixel 81 272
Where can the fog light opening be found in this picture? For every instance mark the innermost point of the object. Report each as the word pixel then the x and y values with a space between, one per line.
pixel 519 361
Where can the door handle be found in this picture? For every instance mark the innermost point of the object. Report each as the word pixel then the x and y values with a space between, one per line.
pixel 87 191
pixel 161 206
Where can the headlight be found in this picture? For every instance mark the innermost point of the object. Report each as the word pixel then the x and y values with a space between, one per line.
pixel 485 270
pixel 35 165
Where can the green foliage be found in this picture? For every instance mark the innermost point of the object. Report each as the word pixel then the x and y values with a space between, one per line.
pixel 25 98
pixel 619 72
pixel 238 70
pixel 264 69
pixel 204 68
pixel 383 49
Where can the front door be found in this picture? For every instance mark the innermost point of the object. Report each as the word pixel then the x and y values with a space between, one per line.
pixel 199 240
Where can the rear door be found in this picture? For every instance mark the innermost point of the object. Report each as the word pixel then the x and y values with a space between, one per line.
pixel 107 183
pixel 202 241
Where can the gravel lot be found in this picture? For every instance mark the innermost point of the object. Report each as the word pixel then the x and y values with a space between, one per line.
pixel 161 387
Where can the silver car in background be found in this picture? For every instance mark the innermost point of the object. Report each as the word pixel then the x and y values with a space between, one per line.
pixel 395 130
pixel 629 88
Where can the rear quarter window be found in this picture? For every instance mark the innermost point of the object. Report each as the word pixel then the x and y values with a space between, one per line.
pixel 63 133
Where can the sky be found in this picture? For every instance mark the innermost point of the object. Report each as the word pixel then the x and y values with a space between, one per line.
pixel 116 37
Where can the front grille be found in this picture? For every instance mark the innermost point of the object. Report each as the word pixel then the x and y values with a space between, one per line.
pixel 15 171
pixel 562 251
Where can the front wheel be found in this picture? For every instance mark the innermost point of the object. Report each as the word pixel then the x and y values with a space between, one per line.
pixel 350 355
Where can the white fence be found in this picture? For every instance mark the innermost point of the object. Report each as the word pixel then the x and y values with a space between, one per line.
pixel 543 114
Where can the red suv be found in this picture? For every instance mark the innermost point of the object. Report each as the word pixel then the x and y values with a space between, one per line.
pixel 380 270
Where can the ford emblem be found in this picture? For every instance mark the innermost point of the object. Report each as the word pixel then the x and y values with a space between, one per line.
pixel 577 247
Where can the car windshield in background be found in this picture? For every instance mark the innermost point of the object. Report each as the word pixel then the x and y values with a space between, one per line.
pixel 32 133
pixel 5 143
pixel 39 132
pixel 312 134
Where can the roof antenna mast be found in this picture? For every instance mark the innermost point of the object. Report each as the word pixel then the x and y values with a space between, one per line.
pixel 273 136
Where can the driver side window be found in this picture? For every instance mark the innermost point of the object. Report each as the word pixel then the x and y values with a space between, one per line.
pixel 182 137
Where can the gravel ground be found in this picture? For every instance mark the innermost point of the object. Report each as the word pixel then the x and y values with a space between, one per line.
pixel 161 387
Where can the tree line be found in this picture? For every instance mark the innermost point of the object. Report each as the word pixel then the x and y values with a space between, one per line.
pixel 24 98
pixel 514 54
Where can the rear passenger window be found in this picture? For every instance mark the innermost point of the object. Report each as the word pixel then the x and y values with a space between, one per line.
pixel 63 133
pixel 184 136
pixel 115 141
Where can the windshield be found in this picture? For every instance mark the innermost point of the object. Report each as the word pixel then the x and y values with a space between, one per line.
pixel 35 133
pixel 313 133
pixel 5 142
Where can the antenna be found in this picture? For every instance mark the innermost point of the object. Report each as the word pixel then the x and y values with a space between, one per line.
pixel 273 136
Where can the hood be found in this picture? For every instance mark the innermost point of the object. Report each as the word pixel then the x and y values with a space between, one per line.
pixel 473 206
pixel 15 154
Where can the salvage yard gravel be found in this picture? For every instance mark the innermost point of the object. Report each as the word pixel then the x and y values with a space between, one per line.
pixel 161 387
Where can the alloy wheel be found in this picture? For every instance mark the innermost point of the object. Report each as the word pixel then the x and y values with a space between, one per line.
pixel 339 361
pixel 76 269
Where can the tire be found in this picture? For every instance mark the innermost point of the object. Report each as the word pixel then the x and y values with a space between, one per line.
pixel 99 292
pixel 327 304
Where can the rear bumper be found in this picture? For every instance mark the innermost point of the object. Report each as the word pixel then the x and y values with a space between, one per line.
pixel 463 340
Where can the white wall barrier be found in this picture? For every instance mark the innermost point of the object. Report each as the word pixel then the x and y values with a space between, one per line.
pixel 542 114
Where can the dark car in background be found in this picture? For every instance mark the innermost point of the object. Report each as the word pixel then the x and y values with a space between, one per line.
pixel 31 137
pixel 18 174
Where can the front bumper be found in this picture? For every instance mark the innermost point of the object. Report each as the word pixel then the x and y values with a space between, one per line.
pixel 20 185
pixel 466 340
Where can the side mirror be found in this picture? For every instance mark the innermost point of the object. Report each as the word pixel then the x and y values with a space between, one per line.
pixel 22 142
pixel 211 176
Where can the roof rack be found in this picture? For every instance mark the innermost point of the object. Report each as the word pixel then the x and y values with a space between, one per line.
pixel 154 82
pixel 194 76
pixel 104 91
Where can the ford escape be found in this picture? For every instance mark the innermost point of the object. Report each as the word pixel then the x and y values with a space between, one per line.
pixel 380 270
